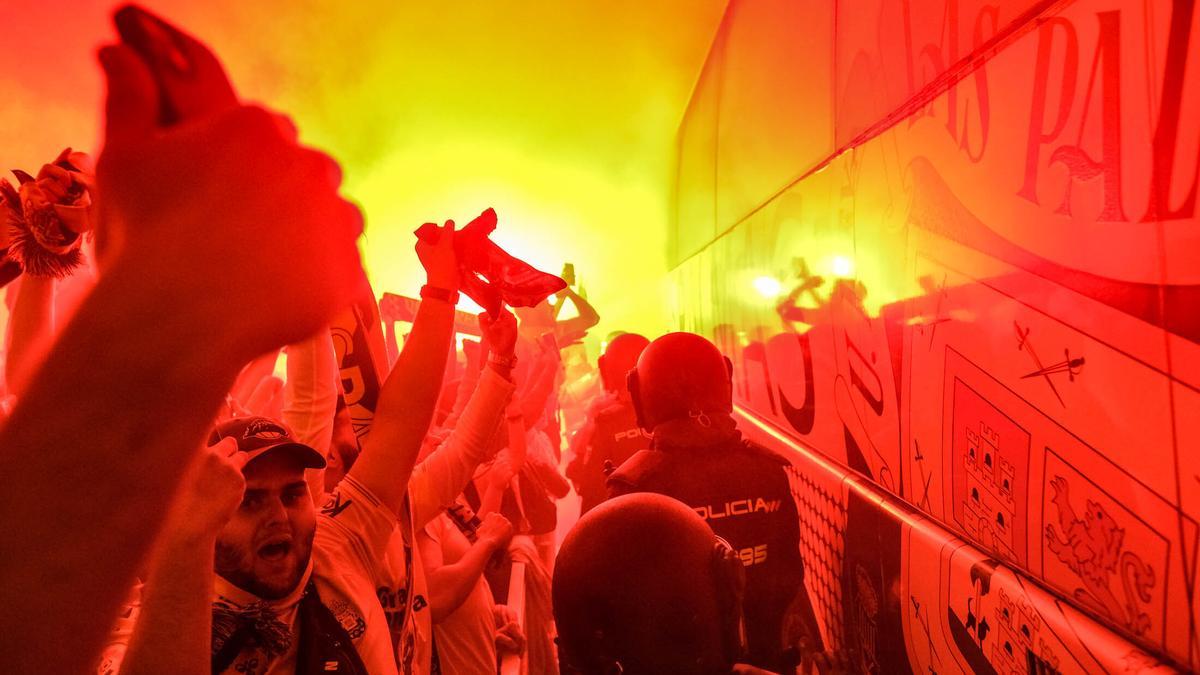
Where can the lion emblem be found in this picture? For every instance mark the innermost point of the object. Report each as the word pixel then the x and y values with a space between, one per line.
pixel 1091 547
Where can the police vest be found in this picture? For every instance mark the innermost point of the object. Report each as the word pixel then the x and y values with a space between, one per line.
pixel 742 492
pixel 615 438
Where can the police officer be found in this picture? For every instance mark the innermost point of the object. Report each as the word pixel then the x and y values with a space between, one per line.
pixel 682 394
pixel 643 586
pixel 611 434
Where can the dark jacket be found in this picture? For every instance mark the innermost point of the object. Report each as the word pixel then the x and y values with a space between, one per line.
pixel 614 438
pixel 742 492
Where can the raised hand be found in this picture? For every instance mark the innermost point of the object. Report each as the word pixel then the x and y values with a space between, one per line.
pixel 473 351
pixel 190 80
pixel 221 211
pixel 501 332
pixel 439 258
pixel 225 238
pixel 210 493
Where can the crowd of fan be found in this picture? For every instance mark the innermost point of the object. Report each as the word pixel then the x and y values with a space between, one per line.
pixel 172 506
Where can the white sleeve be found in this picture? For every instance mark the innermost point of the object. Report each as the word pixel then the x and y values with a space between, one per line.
pixel 442 476
pixel 354 522
pixel 310 395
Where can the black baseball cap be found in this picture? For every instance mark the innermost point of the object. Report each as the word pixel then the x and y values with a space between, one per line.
pixel 256 436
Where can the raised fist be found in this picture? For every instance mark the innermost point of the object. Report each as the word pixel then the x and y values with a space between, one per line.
pixel 501 332
pixel 439 258
pixel 221 213
pixel 211 491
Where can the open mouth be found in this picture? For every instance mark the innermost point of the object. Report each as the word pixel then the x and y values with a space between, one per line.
pixel 276 549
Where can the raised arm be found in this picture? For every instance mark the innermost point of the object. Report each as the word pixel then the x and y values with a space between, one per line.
pixel 96 448
pixel 32 322
pixel 310 398
pixel 106 428
pixel 575 328
pixel 174 628
pixel 441 476
pixel 475 352
pixel 251 377
pixel 542 381
pixel 409 395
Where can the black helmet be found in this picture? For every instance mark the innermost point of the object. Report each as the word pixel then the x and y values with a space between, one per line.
pixel 620 357
pixel 680 375
pixel 642 585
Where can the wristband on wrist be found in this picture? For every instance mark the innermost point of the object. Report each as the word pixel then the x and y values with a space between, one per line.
pixel 504 361
pixel 435 293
